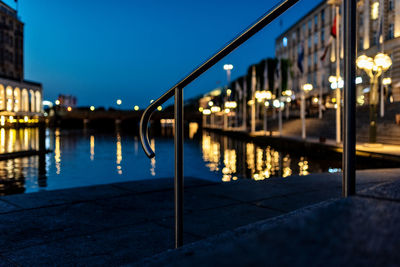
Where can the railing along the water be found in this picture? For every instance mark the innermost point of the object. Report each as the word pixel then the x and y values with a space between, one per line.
pixel 177 91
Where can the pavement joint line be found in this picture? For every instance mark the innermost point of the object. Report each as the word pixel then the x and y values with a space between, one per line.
pixel 106 229
pixel 378 198
pixel 69 203
pixel 9 261
pixel 10 203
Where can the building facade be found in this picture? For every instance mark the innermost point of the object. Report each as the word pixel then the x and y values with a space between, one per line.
pixel 11 44
pixel 20 100
pixel 309 39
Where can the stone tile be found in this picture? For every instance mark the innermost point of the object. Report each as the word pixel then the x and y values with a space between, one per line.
pixel 390 191
pixel 296 201
pixel 36 226
pixel 65 196
pixel 106 248
pixel 213 221
pixel 346 232
pixel 160 184
pixel 7 207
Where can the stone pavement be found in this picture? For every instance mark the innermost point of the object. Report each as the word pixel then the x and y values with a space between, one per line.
pixel 123 223
pixel 357 231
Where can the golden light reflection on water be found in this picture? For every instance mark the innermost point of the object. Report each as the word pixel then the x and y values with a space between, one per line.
pixel 259 164
pixel 211 152
pixel 57 151
pixel 229 170
pixel 119 154
pixel 92 147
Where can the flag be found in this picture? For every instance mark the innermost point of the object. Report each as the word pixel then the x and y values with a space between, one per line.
pixel 334 28
pixel 333 36
pixel 266 76
pixel 300 57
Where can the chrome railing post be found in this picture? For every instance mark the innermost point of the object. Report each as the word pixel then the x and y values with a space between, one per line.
pixel 349 142
pixel 178 182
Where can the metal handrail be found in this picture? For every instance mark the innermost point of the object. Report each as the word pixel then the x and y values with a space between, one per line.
pixel 232 45
pixel 177 90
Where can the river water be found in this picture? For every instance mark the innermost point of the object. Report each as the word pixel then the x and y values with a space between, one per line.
pixel 84 157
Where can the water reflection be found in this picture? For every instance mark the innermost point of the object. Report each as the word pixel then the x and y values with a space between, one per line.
pixel 57 151
pixel 119 154
pixel 16 140
pixel 92 147
pixel 260 162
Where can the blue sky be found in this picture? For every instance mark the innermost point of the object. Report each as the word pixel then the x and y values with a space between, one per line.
pixel 102 50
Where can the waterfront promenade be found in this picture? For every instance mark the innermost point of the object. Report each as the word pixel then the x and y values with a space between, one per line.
pixel 122 223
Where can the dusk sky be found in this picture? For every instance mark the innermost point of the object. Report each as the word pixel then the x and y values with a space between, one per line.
pixel 100 50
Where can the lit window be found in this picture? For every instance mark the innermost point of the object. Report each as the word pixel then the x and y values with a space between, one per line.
pixel 284 41
pixel 375 10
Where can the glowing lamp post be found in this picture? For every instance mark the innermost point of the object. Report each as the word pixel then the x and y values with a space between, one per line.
pixel 306 88
pixel 264 96
pixel 228 68
pixel 374 68
pixel 229 105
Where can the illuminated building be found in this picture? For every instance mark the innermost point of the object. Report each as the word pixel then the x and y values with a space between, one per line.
pixel 19 99
pixel 312 33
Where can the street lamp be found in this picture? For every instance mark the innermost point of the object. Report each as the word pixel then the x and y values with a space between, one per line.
pixel 228 68
pixel 119 102
pixel 264 96
pixel 306 88
pixel 374 68
pixel 229 105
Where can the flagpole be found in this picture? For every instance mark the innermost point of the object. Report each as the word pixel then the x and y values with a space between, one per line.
pixel 338 95
pixel 244 120
pixel 382 50
pixel 253 106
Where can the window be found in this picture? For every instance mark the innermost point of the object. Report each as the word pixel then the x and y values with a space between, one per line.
pixel 375 10
pixel 315 59
pixel 309 61
pixel 304 30
pixel 316 39
pixel 390 34
pixel 391 5
pixel 309 26
pixel 309 42
pixel 315 21
pixel 322 36
pixel 284 41
pixel 322 16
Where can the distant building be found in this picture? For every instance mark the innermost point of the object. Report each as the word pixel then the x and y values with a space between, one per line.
pixel 67 101
pixel 304 44
pixel 20 100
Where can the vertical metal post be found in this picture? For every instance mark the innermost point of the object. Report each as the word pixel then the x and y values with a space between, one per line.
pixel 265 118
pixel 178 181
pixel 338 93
pixel 303 115
pixel 349 145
